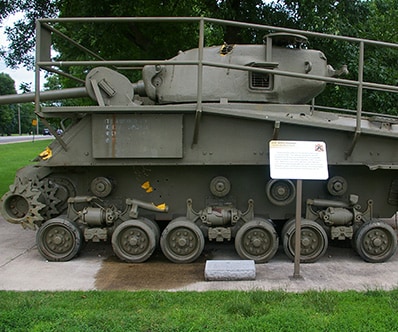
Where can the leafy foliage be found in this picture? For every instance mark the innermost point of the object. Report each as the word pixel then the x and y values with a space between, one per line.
pixel 7 86
pixel 9 113
pixel 22 34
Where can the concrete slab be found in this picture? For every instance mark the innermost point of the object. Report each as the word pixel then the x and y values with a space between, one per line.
pixel 341 269
pixel 229 270
pixel 23 268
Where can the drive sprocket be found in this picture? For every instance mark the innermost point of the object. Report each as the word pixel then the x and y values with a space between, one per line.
pixel 48 190
pixel 22 204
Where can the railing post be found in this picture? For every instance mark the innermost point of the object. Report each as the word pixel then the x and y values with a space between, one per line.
pixel 268 51
pixel 198 114
pixel 360 86
pixel 37 68
pixel 359 99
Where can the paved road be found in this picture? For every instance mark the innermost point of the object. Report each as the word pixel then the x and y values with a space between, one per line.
pixel 20 139
pixel 22 268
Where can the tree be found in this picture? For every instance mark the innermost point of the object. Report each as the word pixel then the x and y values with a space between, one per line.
pixel 7 112
pixel 371 19
pixel 382 61
pixel 21 35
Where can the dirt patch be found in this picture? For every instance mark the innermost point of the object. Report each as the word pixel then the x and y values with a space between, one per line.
pixel 155 274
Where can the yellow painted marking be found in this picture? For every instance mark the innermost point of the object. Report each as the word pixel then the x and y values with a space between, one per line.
pixel 147 187
pixel 46 154
pixel 162 206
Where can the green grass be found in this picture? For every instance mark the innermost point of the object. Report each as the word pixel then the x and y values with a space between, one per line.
pixel 13 157
pixel 199 311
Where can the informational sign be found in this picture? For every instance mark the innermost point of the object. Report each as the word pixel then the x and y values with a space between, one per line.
pixel 300 160
pixel 305 160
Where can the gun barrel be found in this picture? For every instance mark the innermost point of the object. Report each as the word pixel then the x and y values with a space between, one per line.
pixel 44 96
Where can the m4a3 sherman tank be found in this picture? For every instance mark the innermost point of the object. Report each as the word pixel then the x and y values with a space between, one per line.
pixel 181 157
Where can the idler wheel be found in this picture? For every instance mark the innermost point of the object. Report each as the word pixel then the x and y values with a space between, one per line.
pixel 376 241
pixel 280 192
pixel 220 186
pixel 134 241
pixel 314 240
pixel 59 240
pixel 257 240
pixel 182 241
pixel 337 186
pixel 101 186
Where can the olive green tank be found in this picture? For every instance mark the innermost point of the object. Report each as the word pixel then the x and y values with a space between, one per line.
pixel 181 157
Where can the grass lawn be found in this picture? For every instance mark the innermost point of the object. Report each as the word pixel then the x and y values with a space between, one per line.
pixel 14 156
pixel 199 311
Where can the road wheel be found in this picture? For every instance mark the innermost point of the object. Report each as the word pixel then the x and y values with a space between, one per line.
pixel 314 240
pixel 182 241
pixel 134 241
pixel 376 241
pixel 154 226
pixel 59 240
pixel 257 240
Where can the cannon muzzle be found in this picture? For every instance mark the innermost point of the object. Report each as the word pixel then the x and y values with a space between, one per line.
pixel 44 96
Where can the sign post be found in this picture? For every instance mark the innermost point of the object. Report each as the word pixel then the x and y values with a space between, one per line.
pixel 300 160
pixel 34 123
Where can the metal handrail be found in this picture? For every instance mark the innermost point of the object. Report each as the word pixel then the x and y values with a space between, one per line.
pixel 360 84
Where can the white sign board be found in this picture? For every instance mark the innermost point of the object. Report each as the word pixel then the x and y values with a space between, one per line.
pixel 305 160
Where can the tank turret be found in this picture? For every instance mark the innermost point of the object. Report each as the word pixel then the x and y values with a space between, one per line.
pixel 225 79
pixel 175 83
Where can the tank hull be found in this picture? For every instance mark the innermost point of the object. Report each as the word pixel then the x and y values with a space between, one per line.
pixel 137 178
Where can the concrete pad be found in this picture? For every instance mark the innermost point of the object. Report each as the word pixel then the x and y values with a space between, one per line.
pixel 228 270
pixel 341 269
pixel 23 268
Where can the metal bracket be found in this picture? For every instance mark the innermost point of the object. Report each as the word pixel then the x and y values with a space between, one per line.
pixel 52 131
pixel 353 143
pixel 277 126
pixel 97 92
pixel 198 117
pixel 249 213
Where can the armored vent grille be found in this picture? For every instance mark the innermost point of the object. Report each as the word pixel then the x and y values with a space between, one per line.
pixel 260 81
